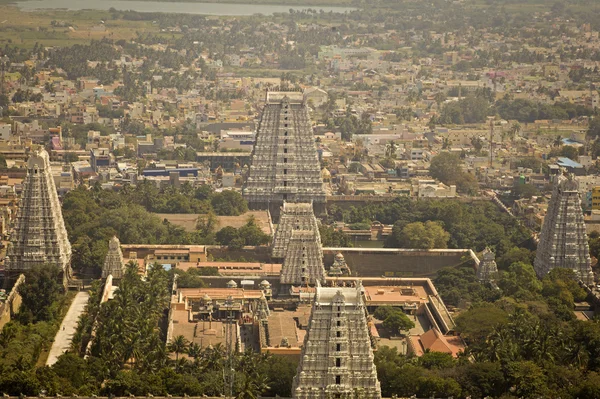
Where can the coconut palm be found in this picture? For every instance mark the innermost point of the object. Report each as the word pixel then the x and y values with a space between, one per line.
pixel 515 128
pixel 558 141
pixel 390 149
pixel 194 351
pixel 178 345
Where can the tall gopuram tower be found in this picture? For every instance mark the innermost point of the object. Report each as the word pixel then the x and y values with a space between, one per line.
pixel 303 262
pixel 285 165
pixel 294 216
pixel 113 263
pixel 563 239
pixel 487 272
pixel 39 236
pixel 337 358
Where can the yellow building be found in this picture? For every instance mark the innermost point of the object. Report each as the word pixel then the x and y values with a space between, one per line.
pixel 596 198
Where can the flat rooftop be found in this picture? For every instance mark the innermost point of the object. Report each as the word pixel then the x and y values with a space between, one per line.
pixel 282 324
pixel 220 293
pixel 236 268
pixel 381 295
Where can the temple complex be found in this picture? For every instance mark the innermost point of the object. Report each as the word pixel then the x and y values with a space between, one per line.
pixel 113 263
pixel 563 239
pixel 488 270
pixel 303 263
pixel 284 165
pixel 39 236
pixel 294 216
pixel 337 357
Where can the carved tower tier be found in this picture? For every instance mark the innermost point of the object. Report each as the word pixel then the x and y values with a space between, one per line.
pixel 337 357
pixel 563 239
pixel 39 236
pixel 285 165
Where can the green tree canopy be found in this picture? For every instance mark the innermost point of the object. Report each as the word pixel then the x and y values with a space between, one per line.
pixel 447 168
pixel 426 235
pixel 229 203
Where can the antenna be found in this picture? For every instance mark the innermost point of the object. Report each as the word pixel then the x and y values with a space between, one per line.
pixel 491 118
pixel 229 372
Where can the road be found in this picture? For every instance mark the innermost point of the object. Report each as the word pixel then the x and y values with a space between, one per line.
pixel 62 341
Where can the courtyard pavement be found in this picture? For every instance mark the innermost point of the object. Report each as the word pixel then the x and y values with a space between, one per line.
pixel 62 341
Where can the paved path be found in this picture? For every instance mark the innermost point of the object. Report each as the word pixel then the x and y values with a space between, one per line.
pixel 62 341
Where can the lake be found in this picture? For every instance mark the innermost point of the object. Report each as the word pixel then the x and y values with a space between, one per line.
pixel 170 7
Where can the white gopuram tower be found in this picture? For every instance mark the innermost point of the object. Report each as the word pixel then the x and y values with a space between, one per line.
pixel 113 263
pixel 563 239
pixel 337 358
pixel 39 236
pixel 303 262
pixel 294 216
pixel 285 165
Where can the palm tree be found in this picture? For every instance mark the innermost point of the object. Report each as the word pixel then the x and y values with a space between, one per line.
pixel 390 149
pixel 445 143
pixel 515 129
pixel 558 141
pixel 179 344
pixel 194 351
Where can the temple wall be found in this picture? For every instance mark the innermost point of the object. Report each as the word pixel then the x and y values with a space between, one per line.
pixel 377 262
pixel 12 304
pixel 369 262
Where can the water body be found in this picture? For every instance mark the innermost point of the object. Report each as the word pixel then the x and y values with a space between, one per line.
pixel 170 7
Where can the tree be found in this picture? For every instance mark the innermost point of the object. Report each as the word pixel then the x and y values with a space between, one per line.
pixel 229 203
pixel 178 344
pixel 528 378
pixel 426 235
pixel 477 143
pixel 390 149
pixel 570 152
pixel 398 321
pixel 525 190
pixel 520 282
pixel 206 223
pixel 393 318
pixel 447 168
pixel 40 290
pixel 332 237
pixel 437 360
pixel 226 235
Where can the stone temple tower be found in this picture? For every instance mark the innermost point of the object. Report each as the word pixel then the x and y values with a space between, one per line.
pixel 294 216
pixel 563 239
pixel 113 263
pixel 337 358
pixel 303 262
pixel 488 270
pixel 284 165
pixel 39 235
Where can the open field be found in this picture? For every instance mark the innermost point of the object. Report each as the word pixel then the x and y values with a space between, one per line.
pixel 75 27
